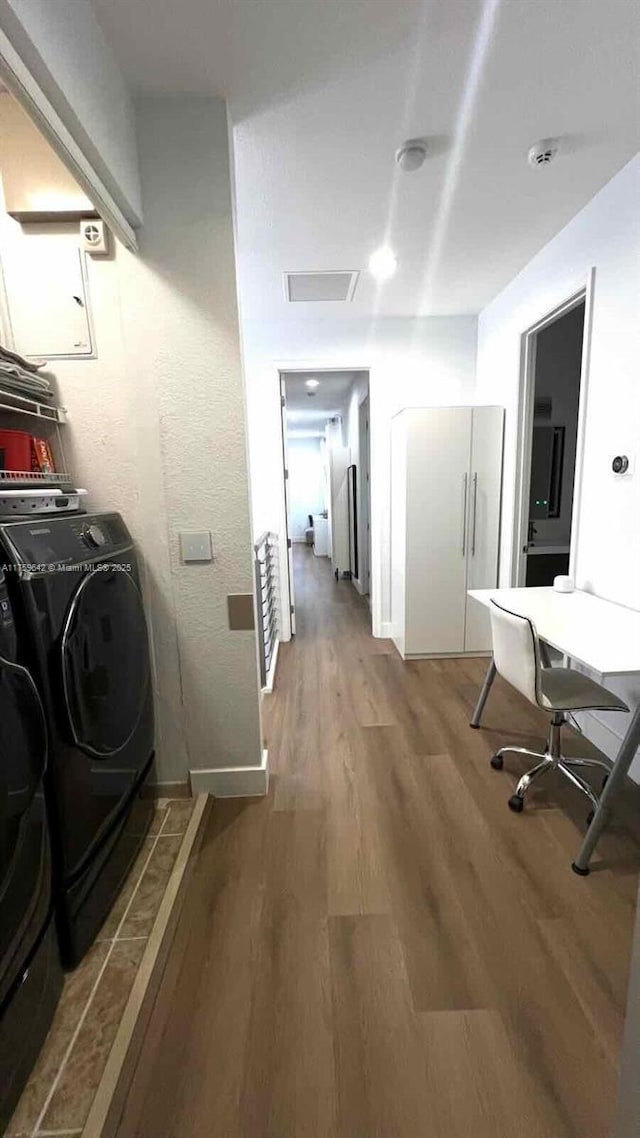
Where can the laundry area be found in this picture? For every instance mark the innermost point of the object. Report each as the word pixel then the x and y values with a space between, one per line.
pixel 96 812
pixel 76 690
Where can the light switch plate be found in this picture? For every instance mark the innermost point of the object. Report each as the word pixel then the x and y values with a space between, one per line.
pixel 196 546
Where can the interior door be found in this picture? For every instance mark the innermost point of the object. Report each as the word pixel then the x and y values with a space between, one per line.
pixel 438 452
pixel 339 462
pixel 483 525
pixel 285 463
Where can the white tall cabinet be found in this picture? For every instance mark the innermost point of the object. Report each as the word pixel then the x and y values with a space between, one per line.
pixel 446 475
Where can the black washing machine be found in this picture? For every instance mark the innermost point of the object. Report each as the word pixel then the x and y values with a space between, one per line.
pixel 30 970
pixel 75 591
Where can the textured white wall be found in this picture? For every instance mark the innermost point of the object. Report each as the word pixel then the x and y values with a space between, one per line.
pixel 606 234
pixel 157 431
pixel 412 362
pixel 65 50
pixel 181 329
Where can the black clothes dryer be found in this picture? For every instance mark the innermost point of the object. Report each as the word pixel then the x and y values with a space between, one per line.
pixel 30 970
pixel 75 590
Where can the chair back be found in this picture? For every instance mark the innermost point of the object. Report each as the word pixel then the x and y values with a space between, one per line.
pixel 516 653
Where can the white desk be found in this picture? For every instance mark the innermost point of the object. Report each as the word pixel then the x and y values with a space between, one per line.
pixel 598 633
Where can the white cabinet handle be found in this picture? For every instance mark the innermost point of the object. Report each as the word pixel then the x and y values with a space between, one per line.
pixel 464 513
pixel 475 512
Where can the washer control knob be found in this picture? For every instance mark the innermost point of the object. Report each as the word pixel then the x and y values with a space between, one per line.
pixel 94 536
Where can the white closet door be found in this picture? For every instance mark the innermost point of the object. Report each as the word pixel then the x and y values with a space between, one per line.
pixel 485 485
pixel 339 462
pixel 439 447
pixel 399 529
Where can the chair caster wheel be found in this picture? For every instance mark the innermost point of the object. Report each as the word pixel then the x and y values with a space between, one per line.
pixel 516 804
pixel 581 872
pixel 497 762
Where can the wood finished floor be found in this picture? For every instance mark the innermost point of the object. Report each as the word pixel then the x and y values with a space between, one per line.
pixel 379 948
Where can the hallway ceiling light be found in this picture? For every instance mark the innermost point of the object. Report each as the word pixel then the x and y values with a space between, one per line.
pixel 312 382
pixel 383 263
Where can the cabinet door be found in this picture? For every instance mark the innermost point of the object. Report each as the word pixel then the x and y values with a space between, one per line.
pixel 438 451
pixel 47 295
pixel 339 460
pixel 399 529
pixel 485 485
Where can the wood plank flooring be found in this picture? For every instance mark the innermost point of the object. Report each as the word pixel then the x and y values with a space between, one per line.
pixel 379 948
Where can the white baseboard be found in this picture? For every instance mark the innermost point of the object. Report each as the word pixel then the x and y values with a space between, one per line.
pixel 233 782
pixel 386 630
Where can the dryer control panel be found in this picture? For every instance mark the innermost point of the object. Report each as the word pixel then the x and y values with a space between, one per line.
pixel 42 544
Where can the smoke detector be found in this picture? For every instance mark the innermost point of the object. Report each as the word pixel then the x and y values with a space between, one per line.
pixel 543 152
pixel 411 155
pixel 94 237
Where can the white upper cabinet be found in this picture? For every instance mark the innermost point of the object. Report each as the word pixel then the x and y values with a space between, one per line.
pixel 47 294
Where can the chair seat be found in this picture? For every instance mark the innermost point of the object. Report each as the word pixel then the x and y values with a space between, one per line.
pixel 565 689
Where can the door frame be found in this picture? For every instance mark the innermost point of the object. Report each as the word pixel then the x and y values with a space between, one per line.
pixel 526 394
pixel 319 365
pixel 364 547
pixel 291 589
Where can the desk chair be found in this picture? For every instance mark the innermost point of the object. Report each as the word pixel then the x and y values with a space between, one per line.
pixel 558 691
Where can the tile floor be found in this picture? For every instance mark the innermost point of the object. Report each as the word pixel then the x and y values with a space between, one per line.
pixel 59 1094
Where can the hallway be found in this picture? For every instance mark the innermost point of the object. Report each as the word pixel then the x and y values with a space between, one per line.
pixel 379 948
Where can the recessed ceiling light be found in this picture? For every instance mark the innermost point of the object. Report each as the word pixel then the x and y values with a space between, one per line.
pixel 383 263
pixel 312 382
pixel 411 155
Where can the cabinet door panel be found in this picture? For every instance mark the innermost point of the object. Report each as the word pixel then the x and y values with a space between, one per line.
pixel 339 460
pixel 437 533
pixel 484 519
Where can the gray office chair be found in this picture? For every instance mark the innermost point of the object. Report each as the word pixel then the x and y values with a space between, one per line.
pixel 559 691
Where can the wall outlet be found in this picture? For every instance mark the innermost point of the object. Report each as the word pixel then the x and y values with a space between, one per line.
pixel 196 546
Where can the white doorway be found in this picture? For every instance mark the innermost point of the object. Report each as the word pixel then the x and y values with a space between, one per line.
pixel 326 461
pixel 287 506
pixel 552 413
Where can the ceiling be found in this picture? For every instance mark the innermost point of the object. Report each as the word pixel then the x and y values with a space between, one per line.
pixel 322 92
pixel 308 414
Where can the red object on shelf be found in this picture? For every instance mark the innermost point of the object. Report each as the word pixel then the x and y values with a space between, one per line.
pixel 24 452
pixel 15 450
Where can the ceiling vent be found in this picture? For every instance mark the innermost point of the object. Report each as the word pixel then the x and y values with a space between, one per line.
pixel 339 285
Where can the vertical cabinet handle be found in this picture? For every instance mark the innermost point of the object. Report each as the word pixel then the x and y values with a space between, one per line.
pixel 464 513
pixel 475 514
